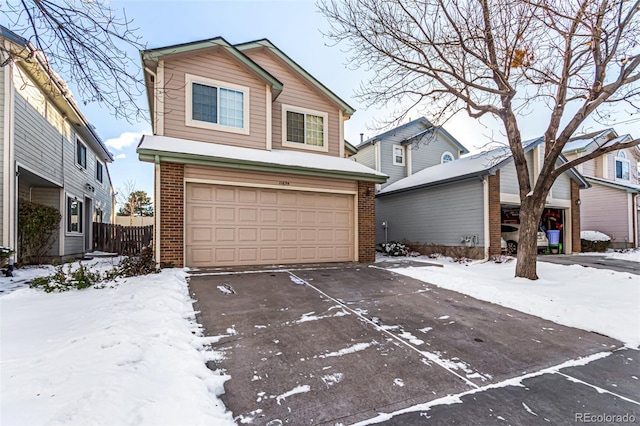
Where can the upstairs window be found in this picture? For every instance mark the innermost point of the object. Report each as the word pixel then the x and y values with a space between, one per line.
pixel 622 166
pixel 398 155
pixel 216 105
pixel 98 171
pixel 81 154
pixel 304 128
pixel 446 157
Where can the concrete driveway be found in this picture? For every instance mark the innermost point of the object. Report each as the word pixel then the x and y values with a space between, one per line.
pixel 593 261
pixel 338 344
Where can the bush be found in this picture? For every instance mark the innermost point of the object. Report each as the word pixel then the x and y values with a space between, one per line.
pixel 132 266
pixel 37 224
pixel 394 248
pixel 595 246
pixel 5 254
pixel 460 254
pixel 82 277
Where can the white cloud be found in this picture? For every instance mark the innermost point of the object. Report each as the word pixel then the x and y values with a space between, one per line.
pixel 121 156
pixel 125 140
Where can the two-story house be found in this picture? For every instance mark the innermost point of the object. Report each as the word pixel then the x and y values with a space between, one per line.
pixel 407 149
pixel 50 153
pixel 249 160
pixel 465 202
pixel 611 205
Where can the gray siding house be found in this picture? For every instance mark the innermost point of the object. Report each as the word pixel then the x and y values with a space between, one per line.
pixel 50 153
pixel 464 203
pixel 407 149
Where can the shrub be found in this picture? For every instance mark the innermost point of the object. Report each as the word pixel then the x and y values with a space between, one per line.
pixel 595 246
pixel 5 254
pixel 457 253
pixel 37 224
pixel 138 265
pixel 82 277
pixel 394 248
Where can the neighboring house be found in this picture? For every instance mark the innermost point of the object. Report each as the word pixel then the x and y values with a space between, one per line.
pixel 407 149
pixel 50 153
pixel 464 202
pixel 249 160
pixel 611 206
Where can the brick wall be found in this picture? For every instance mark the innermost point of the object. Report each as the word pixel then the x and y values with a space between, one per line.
pixel 495 217
pixel 171 214
pixel 576 246
pixel 366 222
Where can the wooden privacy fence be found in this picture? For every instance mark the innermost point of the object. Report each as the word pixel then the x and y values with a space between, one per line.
pixel 124 240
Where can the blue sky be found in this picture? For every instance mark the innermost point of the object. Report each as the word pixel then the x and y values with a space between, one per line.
pixel 296 28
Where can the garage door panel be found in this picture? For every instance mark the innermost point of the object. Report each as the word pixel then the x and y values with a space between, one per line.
pixel 248 234
pixel 289 254
pixel 225 234
pixel 248 214
pixel 248 254
pixel 225 194
pixel 229 225
pixel 199 234
pixel 248 196
pixel 225 214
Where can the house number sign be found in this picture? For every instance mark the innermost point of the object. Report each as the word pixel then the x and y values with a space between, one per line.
pixel 283 182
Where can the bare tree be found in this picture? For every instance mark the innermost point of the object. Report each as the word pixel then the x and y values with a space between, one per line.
pixel 87 42
pixel 500 58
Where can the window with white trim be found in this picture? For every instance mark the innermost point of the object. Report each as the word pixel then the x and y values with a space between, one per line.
pixel 398 155
pixel 446 157
pixel 74 215
pixel 622 166
pixel 216 105
pixel 81 154
pixel 303 128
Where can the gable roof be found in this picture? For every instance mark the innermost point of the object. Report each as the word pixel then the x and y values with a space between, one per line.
pixel 626 186
pixel 391 132
pixel 472 166
pixel 36 65
pixel 150 57
pixel 348 110
pixel 418 136
pixel 582 142
pixel 164 148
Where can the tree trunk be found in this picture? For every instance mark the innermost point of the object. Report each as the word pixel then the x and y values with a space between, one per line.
pixel 530 212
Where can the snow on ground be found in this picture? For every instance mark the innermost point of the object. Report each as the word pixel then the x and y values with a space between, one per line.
pixel 594 236
pixel 631 255
pixel 125 354
pixel 592 299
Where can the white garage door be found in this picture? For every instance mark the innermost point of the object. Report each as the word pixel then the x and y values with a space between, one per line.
pixel 228 225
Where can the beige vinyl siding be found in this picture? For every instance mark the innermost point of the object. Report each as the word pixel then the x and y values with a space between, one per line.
pixel 606 210
pixel 216 65
pixel 296 93
pixel 251 178
pixel 3 90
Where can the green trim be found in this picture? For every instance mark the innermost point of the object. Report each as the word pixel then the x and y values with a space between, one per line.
pixel 156 54
pixel 613 185
pixel 350 147
pixel 348 110
pixel 151 155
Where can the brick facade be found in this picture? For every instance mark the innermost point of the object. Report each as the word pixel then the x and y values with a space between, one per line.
pixel 171 235
pixel 366 222
pixel 495 217
pixel 576 245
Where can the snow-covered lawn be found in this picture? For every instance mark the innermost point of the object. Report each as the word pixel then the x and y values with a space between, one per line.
pixel 591 299
pixel 127 354
pixel 132 353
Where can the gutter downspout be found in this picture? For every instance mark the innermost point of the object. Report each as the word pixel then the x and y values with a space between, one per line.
pixel 485 190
